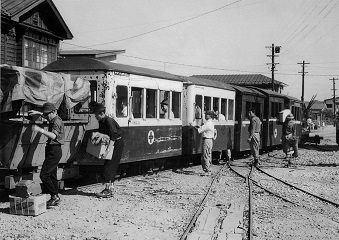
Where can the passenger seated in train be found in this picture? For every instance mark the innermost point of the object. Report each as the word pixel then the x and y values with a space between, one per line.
pixel 122 110
pixel 218 116
pixel 164 107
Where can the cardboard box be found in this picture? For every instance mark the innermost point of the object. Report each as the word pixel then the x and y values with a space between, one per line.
pixel 97 150
pixel 31 206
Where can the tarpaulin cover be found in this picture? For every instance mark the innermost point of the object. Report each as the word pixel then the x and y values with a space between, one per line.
pixel 38 87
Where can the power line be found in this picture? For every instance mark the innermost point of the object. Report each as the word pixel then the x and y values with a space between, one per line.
pixel 168 26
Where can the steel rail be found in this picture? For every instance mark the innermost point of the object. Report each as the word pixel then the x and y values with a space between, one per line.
pixel 300 189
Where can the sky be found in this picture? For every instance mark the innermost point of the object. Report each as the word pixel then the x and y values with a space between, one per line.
pixel 192 37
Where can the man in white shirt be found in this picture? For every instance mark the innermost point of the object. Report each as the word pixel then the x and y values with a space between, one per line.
pixel 207 131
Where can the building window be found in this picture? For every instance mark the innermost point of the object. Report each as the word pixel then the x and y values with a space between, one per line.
pixel 37 55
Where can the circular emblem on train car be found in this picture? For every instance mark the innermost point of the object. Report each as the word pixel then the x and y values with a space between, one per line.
pixel 150 137
pixel 275 133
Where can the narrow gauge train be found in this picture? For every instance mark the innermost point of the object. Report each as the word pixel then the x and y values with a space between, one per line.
pixel 150 133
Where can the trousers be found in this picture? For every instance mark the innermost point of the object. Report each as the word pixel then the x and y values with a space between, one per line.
pixel 48 174
pixel 111 166
pixel 206 154
pixel 255 145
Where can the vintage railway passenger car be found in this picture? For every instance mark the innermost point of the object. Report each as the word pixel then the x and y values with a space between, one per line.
pixel 147 131
pixel 201 95
pixel 246 98
pixel 274 104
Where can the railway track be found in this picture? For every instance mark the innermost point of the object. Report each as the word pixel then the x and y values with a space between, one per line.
pixel 296 196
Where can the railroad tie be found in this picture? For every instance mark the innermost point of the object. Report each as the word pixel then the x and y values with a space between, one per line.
pixel 232 224
pixel 205 224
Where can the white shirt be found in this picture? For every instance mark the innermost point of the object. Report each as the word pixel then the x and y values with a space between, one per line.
pixel 207 129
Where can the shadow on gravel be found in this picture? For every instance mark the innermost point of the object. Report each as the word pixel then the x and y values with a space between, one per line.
pixel 187 172
pixel 4 210
pixel 321 148
pixel 78 192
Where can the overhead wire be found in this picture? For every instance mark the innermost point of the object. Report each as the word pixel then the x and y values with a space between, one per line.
pixel 170 25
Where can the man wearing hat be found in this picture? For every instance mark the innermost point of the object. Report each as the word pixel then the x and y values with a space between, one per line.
pixel 289 136
pixel 207 131
pixel 53 152
pixel 110 127
pixel 254 130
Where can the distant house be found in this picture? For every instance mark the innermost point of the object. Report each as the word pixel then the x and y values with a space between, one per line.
pixel 105 55
pixel 329 103
pixel 316 110
pixel 31 31
pixel 256 80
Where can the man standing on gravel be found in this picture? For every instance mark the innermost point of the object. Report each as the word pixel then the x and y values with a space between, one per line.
pixel 110 127
pixel 289 138
pixel 207 131
pixel 53 152
pixel 254 130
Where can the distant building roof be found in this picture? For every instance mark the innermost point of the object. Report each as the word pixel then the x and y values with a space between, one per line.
pixel 242 79
pixel 106 55
pixel 317 105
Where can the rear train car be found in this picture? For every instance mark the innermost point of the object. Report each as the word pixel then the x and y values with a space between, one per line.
pixel 276 107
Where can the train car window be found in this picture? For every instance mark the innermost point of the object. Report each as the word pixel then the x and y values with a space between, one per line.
pixel 176 104
pixel 275 109
pixel 216 108
pixel 223 109
pixel 250 105
pixel 151 103
pixel 137 102
pixel 122 101
pixel 230 109
pixel 165 108
pixel 198 107
pixel 207 103
pixel 83 107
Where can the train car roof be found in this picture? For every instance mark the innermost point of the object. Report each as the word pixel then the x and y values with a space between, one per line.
pixel 207 83
pixel 273 93
pixel 249 91
pixel 268 92
pixel 92 64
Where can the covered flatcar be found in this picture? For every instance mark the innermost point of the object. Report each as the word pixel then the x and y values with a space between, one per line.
pixel 24 89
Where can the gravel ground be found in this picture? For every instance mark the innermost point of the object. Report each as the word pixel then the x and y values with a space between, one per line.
pixel 160 206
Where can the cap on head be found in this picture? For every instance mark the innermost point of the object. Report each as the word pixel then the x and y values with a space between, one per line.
pixel 48 107
pixel 290 116
pixel 98 108
pixel 210 112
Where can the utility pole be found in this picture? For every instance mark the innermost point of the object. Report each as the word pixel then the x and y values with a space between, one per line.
pixel 303 81
pixel 275 49
pixel 334 103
